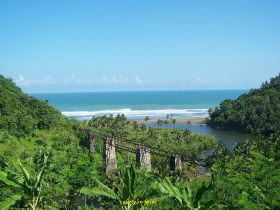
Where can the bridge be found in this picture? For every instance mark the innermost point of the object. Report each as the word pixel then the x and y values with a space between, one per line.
pixel 143 152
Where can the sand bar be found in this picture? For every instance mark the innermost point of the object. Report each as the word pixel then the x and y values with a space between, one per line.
pixel 200 120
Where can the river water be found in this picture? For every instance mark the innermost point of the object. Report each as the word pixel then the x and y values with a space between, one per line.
pixel 229 138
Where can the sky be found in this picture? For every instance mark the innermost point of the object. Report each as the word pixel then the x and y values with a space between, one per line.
pixel 87 45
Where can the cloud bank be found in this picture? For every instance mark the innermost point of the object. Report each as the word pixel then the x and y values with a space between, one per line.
pixel 73 79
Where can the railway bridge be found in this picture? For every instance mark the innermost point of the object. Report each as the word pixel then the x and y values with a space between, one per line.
pixel 142 151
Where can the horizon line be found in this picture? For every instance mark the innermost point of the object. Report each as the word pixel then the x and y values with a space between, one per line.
pixel 131 91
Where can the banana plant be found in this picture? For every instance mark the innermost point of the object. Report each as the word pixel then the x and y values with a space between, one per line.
pixel 10 181
pixel 184 195
pixel 28 187
pixel 132 188
pixel 10 201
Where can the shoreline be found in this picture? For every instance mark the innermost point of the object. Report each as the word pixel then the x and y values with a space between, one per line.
pixel 198 120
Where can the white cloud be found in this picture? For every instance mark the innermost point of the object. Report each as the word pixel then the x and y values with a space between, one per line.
pixel 119 80
pixel 115 80
pixel 138 80
pixel 74 79
pixel 24 81
pixel 111 80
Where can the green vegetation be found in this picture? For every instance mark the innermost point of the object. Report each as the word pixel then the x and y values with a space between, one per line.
pixel 249 177
pixel 133 186
pixel 30 189
pixel 47 162
pixel 255 112
pixel 187 197
pixel 178 141
pixel 22 114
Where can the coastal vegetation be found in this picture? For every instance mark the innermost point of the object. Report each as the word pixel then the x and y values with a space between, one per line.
pixel 46 161
pixel 178 141
pixel 22 114
pixel 256 112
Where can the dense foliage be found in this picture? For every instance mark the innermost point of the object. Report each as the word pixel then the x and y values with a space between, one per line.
pixel 247 178
pixel 177 141
pixel 46 162
pixel 22 114
pixel 255 112
pixel 31 128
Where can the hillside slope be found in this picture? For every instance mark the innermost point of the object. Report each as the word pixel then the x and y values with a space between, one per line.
pixel 256 112
pixel 21 114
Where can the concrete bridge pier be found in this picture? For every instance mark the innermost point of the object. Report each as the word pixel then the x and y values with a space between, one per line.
pixel 175 163
pixel 143 158
pixel 109 155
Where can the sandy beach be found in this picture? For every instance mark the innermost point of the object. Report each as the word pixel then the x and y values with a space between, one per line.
pixel 178 120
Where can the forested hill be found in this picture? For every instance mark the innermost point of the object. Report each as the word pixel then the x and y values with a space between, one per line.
pixel 21 114
pixel 256 112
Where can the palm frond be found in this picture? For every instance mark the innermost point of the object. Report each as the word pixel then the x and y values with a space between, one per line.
pixel 24 172
pixel 100 189
pixel 8 202
pixel 97 191
pixel 167 187
pixel 129 183
pixel 9 180
pixel 39 176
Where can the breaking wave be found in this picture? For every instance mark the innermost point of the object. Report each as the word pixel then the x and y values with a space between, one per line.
pixel 139 114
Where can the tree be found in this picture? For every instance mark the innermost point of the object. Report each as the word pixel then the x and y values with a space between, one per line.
pixel 135 127
pixel 187 133
pixel 147 118
pixel 159 122
pixel 255 112
pixel 178 136
pixel 173 123
pixel 143 127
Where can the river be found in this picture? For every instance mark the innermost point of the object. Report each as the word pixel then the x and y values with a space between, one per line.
pixel 229 138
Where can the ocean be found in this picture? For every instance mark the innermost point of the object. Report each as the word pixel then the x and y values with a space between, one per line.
pixel 155 104
pixel 138 105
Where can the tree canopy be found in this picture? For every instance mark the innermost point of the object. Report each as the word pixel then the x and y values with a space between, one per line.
pixel 21 114
pixel 256 112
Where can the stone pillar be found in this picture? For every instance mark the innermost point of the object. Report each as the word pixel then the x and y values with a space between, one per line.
pixel 109 155
pixel 92 142
pixel 175 163
pixel 143 158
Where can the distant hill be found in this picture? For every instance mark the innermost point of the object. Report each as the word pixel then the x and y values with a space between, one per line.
pixel 21 114
pixel 256 112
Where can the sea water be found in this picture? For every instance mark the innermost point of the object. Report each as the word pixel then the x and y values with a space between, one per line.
pixel 138 105
pixel 155 104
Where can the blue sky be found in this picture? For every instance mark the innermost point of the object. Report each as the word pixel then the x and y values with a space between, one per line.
pixel 69 46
